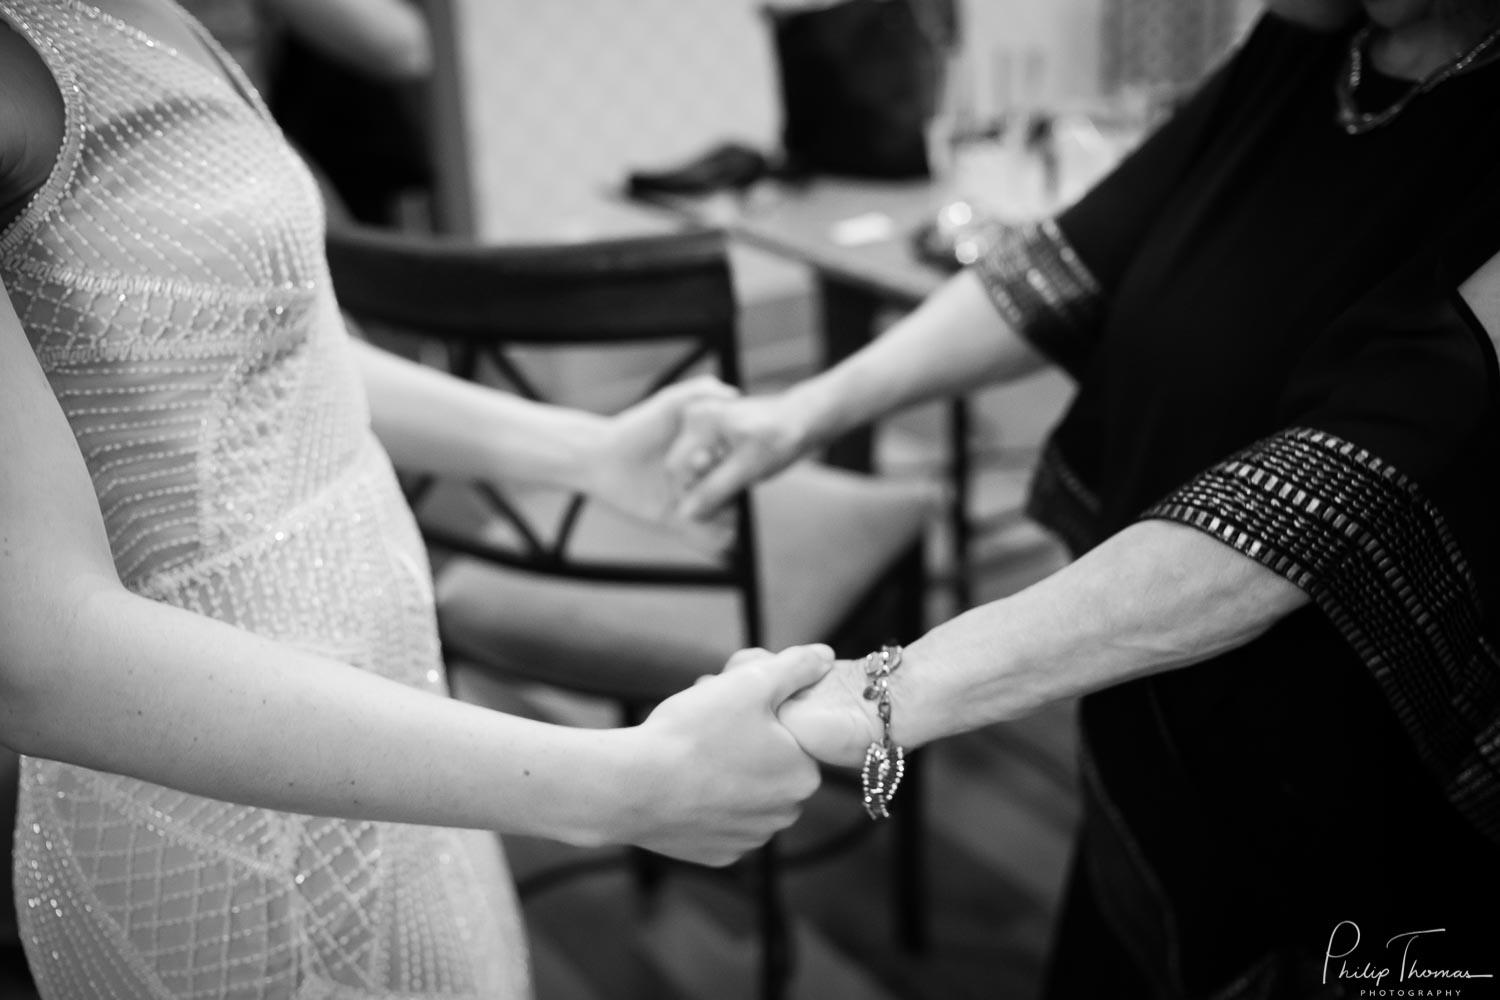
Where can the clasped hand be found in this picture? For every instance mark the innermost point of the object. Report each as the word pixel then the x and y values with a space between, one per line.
pixel 728 443
pixel 680 456
pixel 742 746
pixel 734 757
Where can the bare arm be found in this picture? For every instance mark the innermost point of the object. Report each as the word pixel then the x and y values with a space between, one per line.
pixel 1161 595
pixel 432 422
pixel 955 341
pixel 1157 596
pixel 94 675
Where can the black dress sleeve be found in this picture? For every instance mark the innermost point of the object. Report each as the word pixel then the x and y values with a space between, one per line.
pixel 1051 280
pixel 1373 499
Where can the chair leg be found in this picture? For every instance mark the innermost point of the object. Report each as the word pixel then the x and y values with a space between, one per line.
pixel 776 955
pixel 647 871
pixel 909 885
pixel 909 888
pixel 959 422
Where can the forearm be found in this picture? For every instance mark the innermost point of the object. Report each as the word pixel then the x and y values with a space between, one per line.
pixel 1155 597
pixel 953 342
pixel 119 683
pixel 432 422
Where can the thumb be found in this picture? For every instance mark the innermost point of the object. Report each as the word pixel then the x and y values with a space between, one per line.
pixel 698 387
pixel 793 669
pixel 748 655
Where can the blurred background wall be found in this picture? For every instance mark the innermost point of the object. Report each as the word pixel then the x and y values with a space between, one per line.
pixel 564 97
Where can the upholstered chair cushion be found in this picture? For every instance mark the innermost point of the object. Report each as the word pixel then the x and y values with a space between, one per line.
pixel 824 538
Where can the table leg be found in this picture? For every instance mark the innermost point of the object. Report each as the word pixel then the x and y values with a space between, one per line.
pixel 958 511
pixel 848 314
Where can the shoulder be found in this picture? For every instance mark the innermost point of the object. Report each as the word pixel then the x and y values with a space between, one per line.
pixel 32 121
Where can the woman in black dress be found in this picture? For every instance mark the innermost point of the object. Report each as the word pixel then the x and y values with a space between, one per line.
pixel 1275 472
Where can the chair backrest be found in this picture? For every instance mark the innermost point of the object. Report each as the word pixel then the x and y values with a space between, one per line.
pixel 664 302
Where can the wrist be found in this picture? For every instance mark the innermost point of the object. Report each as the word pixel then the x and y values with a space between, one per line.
pixel 904 690
pixel 979 668
pixel 589 444
pixel 641 778
pixel 815 412
pixel 907 688
pixel 612 792
pixel 566 454
pixel 847 396
pixel 884 762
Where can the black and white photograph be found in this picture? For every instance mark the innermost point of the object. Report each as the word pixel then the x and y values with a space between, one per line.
pixel 749 499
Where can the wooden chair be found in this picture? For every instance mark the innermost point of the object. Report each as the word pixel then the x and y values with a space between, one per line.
pixel 564 592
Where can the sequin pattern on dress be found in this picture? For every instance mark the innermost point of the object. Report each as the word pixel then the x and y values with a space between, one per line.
pixel 171 279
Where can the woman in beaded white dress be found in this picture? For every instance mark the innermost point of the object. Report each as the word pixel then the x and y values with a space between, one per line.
pixel 213 592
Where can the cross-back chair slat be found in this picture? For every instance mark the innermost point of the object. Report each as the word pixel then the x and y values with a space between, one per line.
pixel 840 554
pixel 479 302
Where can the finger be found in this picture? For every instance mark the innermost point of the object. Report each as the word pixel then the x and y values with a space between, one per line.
pixel 751 654
pixel 793 669
pixel 719 485
pixel 697 388
pixel 691 453
pixel 706 386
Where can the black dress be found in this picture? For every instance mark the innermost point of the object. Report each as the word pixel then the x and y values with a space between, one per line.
pixel 1262 315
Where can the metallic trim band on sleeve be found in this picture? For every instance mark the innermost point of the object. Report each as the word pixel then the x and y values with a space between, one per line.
pixel 1041 287
pixel 1380 561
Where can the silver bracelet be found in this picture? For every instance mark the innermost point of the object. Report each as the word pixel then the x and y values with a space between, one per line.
pixel 885 759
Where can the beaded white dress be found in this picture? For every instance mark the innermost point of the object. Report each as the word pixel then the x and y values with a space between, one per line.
pixel 170 276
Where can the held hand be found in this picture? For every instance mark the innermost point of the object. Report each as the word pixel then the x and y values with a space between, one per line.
pixel 726 776
pixel 629 469
pixel 831 720
pixel 728 445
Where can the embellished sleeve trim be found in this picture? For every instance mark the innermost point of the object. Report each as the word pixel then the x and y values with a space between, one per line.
pixel 1380 561
pixel 1038 283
